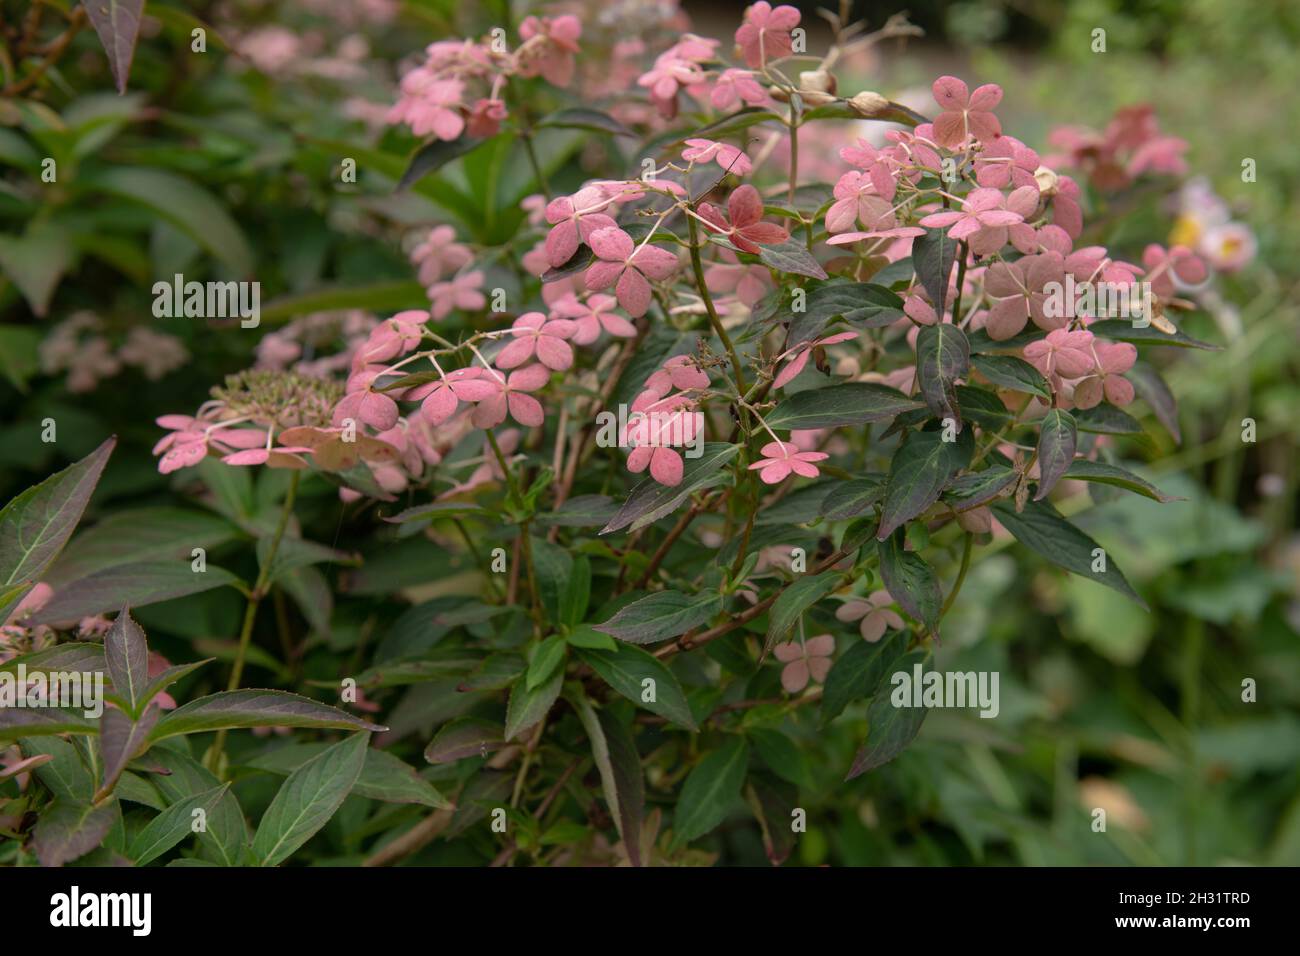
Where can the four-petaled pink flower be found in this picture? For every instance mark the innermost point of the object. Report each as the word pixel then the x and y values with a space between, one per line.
pixel 804 660
pixel 361 404
pixel 654 428
pixel 590 317
pixel 462 292
pixel 536 335
pixel 574 219
pixel 985 217
pixel 765 34
pixel 874 612
pixel 1062 355
pixel 628 267
pixel 511 394
pixel 1006 162
pixel 1163 267
pixel 798 356
pixel 392 337
pixel 737 85
pixel 1113 360
pixel 730 158
pixel 440 253
pixel 965 113
pixel 429 104
pixel 857 199
pixel 679 372
pixel 1020 292
pixel 439 398
pixel 747 231
pixel 781 459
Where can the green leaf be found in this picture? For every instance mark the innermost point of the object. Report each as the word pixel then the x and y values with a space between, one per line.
pixel 126 654
pixel 933 256
pixel 43 722
pixel 527 707
pixel 848 499
pixel 1041 528
pixel 1123 330
pixel 383 776
pixel 234 709
pixel 432 156
pixel 1013 373
pixel 388 296
pixel 1106 419
pixel 1106 474
pixel 659 616
pixel 643 679
pixel 792 257
pixel 36 525
pixel 862 304
pixel 464 737
pixel 858 672
pixel 64 775
pixel 798 597
pixel 139 584
pixel 710 790
pixel 20 357
pixel 36 261
pixel 649 501
pixel 619 765
pixel 117 22
pixel 83 657
pixel 1153 390
pixel 890 729
pixel 547 658
pixel 853 403
pixel 185 205
pixel 732 123
pixel 67 830
pixel 921 468
pixel 553 567
pixel 942 357
pixel 1057 440
pixel 121 740
pixel 308 799
pixel 970 491
pixel 911 581
pixel 173 825
pixel 226 836
pixel 583 118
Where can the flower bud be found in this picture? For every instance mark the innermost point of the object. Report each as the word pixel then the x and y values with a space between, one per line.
pixel 869 105
pixel 818 81
pixel 1046 180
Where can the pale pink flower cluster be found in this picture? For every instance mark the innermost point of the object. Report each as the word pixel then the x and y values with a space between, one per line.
pixel 79 346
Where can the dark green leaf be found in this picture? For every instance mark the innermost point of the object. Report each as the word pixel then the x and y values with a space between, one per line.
pixel 255 708
pixel 1013 373
pixel 910 581
pixel 173 825
pixel 933 256
pixel 710 790
pixel 1084 470
pixel 942 357
pixel 643 679
pixel 1125 331
pixel 659 616
pixel 798 597
pixel 127 657
pixel 527 707
pixel 308 799
pixel 853 403
pixel 921 469
pixel 583 118
pixel 1057 439
pixel 858 672
pixel 432 156
pixel 649 501
pixel 890 729
pixel 791 257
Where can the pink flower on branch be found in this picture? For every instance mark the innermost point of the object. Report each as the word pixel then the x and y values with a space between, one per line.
pixel 628 267
pixel 730 158
pixel 747 231
pixel 533 335
pixel 511 395
pixel 965 113
pixel 782 459
pixel 765 34
pixel 874 613
pixel 804 660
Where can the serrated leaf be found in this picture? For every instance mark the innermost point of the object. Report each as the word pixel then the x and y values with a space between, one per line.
pixel 173 825
pixel 43 721
pixel 966 492
pixel 1013 373
pixel 383 776
pixel 851 498
pixel 791 257
pixel 36 525
pixel 858 672
pixel 649 501
pixel 121 740
pixel 66 831
pixel 1042 529
pixel 307 800
pixel 627 668
pixel 138 584
pixel 797 598
pixel 890 729
pixel 710 790
pixel 853 403
pixel 659 616
pixel 233 709
pixel 126 655
pixel 527 707
pixel 910 581
pixel 922 467
pixel 1057 440
pixel 464 737
pixel 933 256
pixel 863 304
pixel 942 357
pixel 117 22
pixel 1107 474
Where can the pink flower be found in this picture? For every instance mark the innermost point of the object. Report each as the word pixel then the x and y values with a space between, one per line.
pixel 392 337
pixel 511 394
pixel 1066 210
pixel 679 372
pixel 1018 291
pixel 747 230
pixel 574 218
pixel 798 356
pixel 1228 246
pixel 765 34
pixel 550 43
pixel 1006 162
pixel 485 117
pixel 1062 355
pixel 438 254
pixel 749 283
pixel 965 113
pixel 590 317
pixel 462 292
pixel 628 268
pixel 783 459
pixel 729 158
pixel 430 105
pixel 804 660
pixel 985 217
pixel 655 426
pixel 677 68
pixel 277 457
pixel 1163 267
pixel 535 335
pixel 33 601
pixel 439 398
pixel 858 200
pixel 1113 360
pixel 735 86
pixel 874 612
pixel 371 408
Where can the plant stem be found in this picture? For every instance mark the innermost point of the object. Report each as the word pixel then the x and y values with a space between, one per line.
pixel 714 321
pixel 961 575
pixel 250 611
